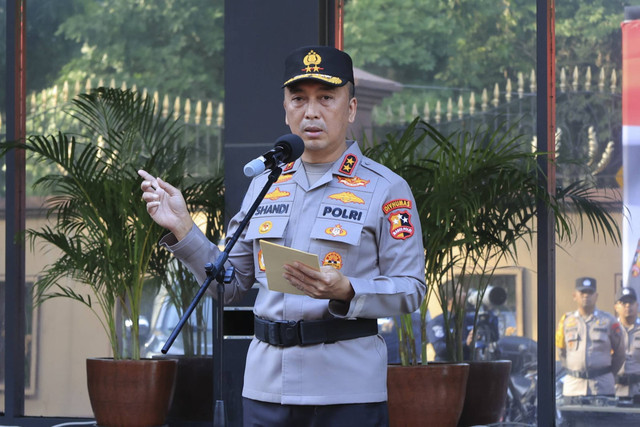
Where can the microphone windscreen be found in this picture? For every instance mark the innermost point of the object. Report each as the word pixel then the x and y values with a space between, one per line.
pixel 292 145
pixel 254 167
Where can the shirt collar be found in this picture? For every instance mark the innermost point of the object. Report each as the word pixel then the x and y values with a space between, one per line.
pixel 347 164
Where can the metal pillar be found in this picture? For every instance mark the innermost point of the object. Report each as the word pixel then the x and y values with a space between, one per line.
pixel 14 296
pixel 546 126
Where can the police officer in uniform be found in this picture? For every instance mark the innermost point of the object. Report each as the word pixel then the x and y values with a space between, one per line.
pixel 487 323
pixel 590 345
pixel 317 358
pixel 628 378
pixel 437 337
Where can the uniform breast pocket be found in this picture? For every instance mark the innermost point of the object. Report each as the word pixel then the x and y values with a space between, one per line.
pixel 600 339
pixel 341 232
pixel 267 228
pixel 573 340
pixel 271 229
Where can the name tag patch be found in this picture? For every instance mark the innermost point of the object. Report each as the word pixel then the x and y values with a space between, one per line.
pixel 338 212
pixel 273 209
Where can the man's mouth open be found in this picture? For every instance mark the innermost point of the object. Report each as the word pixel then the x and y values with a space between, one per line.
pixel 313 131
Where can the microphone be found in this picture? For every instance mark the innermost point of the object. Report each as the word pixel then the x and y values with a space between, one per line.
pixel 286 149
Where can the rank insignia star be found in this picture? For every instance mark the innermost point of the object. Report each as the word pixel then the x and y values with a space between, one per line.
pixel 348 164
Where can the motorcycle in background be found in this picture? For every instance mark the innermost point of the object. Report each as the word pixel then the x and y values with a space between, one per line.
pixel 522 395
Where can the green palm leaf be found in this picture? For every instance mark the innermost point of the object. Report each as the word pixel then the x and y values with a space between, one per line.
pixel 478 196
pixel 99 224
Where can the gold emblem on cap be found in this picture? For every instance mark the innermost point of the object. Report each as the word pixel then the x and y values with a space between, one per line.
pixel 312 60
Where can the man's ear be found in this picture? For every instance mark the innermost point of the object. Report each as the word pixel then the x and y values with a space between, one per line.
pixel 353 107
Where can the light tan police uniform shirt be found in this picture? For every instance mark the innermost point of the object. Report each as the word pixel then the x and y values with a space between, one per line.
pixel 631 365
pixel 359 217
pixel 585 344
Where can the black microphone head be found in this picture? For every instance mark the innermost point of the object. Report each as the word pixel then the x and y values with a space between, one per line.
pixel 292 146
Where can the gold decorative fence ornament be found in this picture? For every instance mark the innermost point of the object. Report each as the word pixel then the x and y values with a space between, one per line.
pixel 57 96
pixel 467 106
pixel 203 130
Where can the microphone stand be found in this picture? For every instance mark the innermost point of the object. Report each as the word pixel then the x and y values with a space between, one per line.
pixel 217 271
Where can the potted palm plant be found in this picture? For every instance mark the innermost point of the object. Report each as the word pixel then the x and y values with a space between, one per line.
pixel 477 194
pixel 445 384
pixel 107 241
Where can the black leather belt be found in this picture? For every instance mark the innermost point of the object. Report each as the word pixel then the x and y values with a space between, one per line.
pixel 589 373
pixel 309 332
pixel 627 379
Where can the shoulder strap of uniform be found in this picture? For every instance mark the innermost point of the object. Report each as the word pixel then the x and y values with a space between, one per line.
pixel 560 331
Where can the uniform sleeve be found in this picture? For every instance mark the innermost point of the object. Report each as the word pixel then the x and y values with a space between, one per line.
pixel 560 344
pixel 399 288
pixel 195 251
pixel 617 348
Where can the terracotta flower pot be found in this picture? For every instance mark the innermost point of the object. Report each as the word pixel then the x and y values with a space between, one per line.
pixel 193 397
pixel 486 392
pixel 430 395
pixel 130 393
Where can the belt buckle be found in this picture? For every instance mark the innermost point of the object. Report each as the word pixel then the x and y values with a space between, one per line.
pixel 290 332
pixel 285 333
pixel 273 333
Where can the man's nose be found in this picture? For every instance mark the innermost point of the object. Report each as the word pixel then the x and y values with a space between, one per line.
pixel 312 110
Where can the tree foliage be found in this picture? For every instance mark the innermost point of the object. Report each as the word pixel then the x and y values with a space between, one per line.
pixel 475 43
pixel 176 46
pixel 47 51
pixel 173 46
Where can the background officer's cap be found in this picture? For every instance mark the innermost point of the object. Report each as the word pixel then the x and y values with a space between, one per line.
pixel 323 63
pixel 626 294
pixel 585 284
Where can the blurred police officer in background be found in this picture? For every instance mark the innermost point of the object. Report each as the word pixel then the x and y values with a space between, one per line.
pixel 628 378
pixel 487 323
pixel 590 345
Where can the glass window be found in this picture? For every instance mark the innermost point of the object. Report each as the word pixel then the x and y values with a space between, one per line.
pixel 457 72
pixel 170 51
